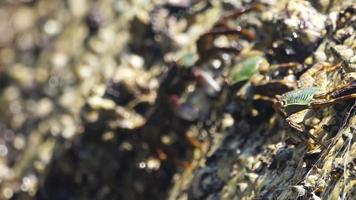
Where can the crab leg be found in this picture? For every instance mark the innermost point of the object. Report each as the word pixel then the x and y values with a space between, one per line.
pixel 205 42
pixel 278 84
pixel 322 104
pixel 345 90
pixel 229 31
pixel 238 13
pixel 330 68
pixel 214 50
pixel 337 92
pixel 289 65
pixel 264 98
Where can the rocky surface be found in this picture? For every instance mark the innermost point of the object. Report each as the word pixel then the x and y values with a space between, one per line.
pixel 133 100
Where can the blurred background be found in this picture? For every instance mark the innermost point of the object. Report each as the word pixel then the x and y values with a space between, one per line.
pixel 59 137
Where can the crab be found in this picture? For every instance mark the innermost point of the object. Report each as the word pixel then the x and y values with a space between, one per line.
pixel 300 99
pixel 290 98
pixel 298 27
pixel 295 105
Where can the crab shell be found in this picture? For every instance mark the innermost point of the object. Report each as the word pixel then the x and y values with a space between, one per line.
pixel 296 100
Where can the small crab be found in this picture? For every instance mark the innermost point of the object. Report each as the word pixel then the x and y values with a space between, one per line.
pixel 311 95
pixel 292 104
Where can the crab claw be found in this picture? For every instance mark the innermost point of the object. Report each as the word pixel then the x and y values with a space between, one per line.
pixel 278 106
pixel 205 80
pixel 195 107
pixel 185 110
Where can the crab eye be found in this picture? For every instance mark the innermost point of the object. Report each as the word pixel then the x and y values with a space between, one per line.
pixel 283 103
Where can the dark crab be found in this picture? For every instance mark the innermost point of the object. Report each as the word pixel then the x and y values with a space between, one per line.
pixel 290 32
